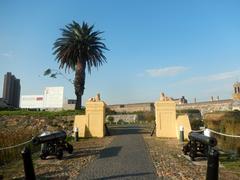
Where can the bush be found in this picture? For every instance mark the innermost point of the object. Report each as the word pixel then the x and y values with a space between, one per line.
pixel 187 111
pixel 110 119
pixel 228 123
pixel 48 114
pixel 14 137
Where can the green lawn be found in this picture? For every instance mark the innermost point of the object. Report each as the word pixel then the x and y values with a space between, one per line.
pixel 49 114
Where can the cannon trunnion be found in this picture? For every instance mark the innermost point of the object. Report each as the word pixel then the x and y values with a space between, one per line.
pixel 53 143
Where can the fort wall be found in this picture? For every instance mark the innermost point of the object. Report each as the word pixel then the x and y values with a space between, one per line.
pixel 204 107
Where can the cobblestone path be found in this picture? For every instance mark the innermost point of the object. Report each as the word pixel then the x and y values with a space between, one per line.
pixel 125 158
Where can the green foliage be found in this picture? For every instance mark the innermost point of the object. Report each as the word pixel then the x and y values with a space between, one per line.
pixel 79 43
pixel 187 111
pixel 120 121
pixel 79 48
pixel 69 138
pixel 108 111
pixel 196 124
pixel 48 114
pixel 47 72
pixel 229 162
pixel 225 122
pixel 110 119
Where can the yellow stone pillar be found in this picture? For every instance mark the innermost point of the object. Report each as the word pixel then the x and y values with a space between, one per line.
pixel 165 114
pixel 95 113
pixel 92 123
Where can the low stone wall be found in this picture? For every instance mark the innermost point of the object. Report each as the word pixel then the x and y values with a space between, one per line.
pixel 209 106
pixel 132 107
pixel 204 107
pixel 130 118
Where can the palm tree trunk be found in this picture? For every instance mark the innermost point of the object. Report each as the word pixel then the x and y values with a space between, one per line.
pixel 79 83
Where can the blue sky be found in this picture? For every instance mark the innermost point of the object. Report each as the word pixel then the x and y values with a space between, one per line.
pixel 183 48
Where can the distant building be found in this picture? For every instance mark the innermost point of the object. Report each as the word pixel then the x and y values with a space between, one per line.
pixel 52 99
pixel 32 102
pixel 71 101
pixel 236 93
pixel 181 100
pixel 11 90
pixel 126 108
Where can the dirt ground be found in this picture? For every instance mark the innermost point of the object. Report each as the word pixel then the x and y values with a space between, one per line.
pixel 85 151
pixel 170 162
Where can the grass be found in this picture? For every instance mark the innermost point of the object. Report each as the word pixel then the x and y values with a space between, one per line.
pixel 23 130
pixel 229 163
pixel 225 122
pixel 10 138
pixel 48 114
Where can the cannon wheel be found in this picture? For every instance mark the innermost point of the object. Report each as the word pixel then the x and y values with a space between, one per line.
pixel 43 156
pixel 59 154
pixel 69 148
pixel 192 155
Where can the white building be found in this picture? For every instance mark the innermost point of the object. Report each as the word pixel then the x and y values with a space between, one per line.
pixel 52 98
pixel 31 102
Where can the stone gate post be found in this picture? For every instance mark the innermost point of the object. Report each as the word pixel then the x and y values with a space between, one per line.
pixel 165 113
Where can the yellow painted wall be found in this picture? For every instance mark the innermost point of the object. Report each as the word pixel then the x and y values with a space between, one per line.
pixel 80 123
pixel 167 124
pixel 91 124
pixel 183 120
pixel 165 112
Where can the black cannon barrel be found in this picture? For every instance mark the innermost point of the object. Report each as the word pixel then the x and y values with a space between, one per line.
pixel 211 141
pixel 57 135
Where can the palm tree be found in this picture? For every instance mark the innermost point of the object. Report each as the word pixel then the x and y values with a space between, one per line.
pixel 78 48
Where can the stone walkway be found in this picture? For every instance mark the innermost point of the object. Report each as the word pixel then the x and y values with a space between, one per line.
pixel 125 158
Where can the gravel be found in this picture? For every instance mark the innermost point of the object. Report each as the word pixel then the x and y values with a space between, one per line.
pixel 170 162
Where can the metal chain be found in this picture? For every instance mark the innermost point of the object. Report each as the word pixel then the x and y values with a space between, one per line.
pixel 14 146
pixel 215 132
pixel 228 135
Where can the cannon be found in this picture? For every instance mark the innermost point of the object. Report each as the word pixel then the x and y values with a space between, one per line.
pixel 198 145
pixel 53 143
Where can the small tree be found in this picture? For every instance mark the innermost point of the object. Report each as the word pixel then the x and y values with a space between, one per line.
pixel 110 119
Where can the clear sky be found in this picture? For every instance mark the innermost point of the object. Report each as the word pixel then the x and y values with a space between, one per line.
pixel 183 48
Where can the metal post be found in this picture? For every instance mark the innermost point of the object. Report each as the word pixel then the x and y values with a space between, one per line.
pixel 212 165
pixel 28 165
pixel 181 134
pixel 76 134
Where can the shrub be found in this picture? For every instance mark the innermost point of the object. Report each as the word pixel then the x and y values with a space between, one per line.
pixel 110 119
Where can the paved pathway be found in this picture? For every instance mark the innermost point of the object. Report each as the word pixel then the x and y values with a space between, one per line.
pixel 125 158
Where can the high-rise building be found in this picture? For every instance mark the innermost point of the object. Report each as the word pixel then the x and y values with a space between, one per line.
pixel 11 90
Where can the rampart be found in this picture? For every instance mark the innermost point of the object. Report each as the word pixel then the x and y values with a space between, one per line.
pixel 129 108
pixel 204 107
pixel 208 106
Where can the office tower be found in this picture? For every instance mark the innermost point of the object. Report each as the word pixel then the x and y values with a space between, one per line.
pixel 11 90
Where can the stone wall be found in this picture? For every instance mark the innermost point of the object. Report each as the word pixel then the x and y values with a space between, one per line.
pixel 132 107
pixel 209 106
pixel 204 107
pixel 130 118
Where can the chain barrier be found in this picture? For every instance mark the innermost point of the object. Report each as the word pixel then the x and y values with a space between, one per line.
pixel 222 134
pixel 17 145
pixel 215 132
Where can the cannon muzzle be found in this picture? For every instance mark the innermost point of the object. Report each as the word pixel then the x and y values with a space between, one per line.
pixel 57 135
pixel 210 141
